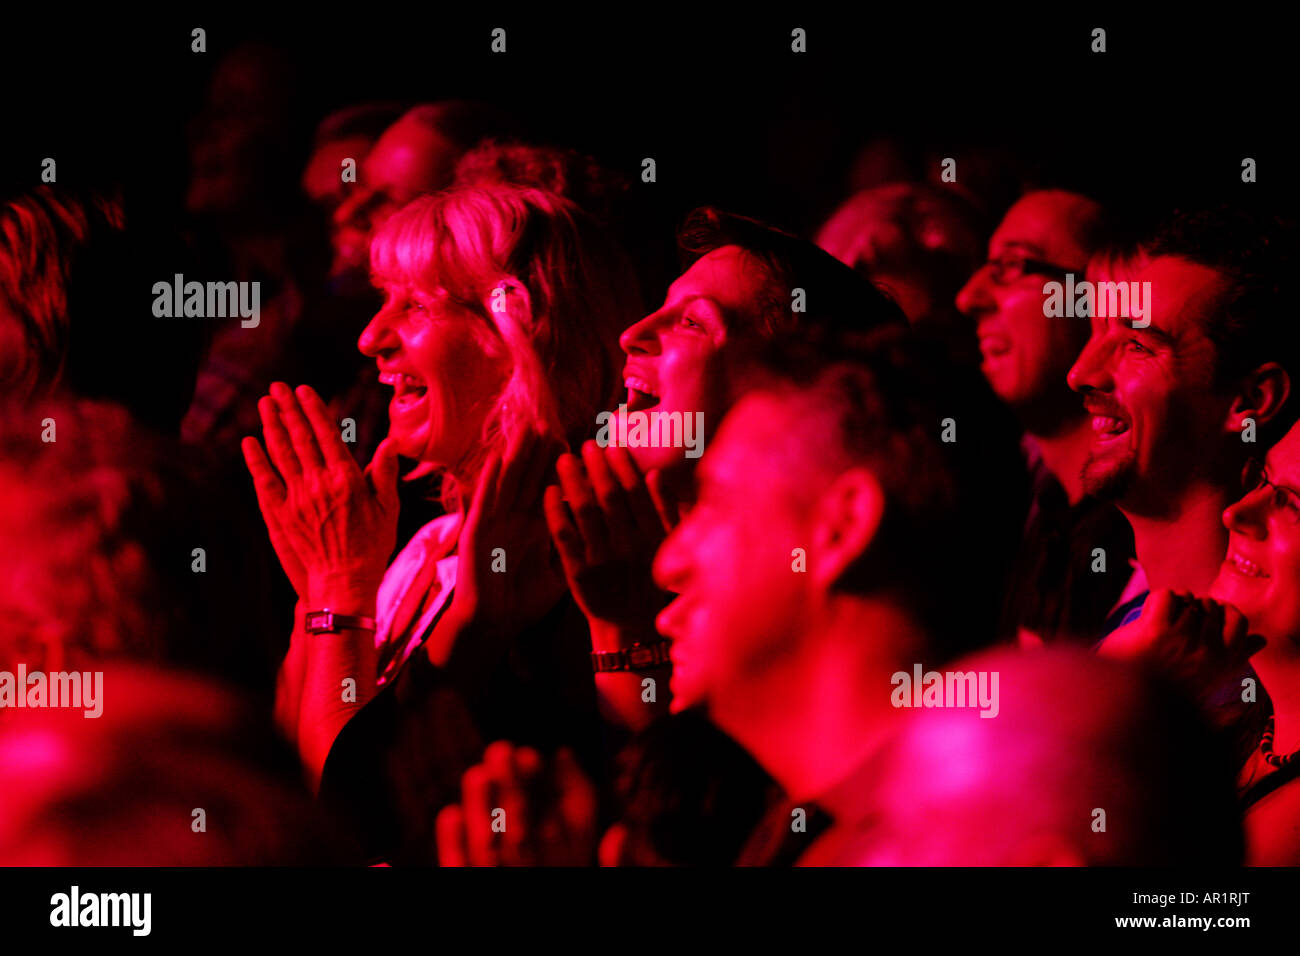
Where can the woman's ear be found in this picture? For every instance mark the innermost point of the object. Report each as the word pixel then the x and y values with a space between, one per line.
pixel 509 304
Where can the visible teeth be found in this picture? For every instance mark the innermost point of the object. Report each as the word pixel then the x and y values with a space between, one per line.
pixel 398 380
pixel 1104 423
pixel 1248 567
pixel 641 385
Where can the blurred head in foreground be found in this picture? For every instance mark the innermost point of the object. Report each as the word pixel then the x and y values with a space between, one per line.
pixel 116 543
pixel 1086 763
pixel 176 771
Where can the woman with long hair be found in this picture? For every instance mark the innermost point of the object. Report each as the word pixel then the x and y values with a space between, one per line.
pixel 499 336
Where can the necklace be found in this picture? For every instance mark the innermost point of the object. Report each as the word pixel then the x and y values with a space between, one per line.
pixel 1266 748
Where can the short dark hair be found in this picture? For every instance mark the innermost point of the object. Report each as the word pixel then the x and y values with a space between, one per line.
pixel 1255 253
pixel 464 122
pixel 953 508
pixel 566 172
pixel 363 119
pixel 836 295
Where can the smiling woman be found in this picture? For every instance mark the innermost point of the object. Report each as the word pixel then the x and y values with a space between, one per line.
pixel 1260 577
pixel 502 315
pixel 498 335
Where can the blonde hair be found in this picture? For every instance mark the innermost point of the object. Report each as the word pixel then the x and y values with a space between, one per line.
pixel 463 243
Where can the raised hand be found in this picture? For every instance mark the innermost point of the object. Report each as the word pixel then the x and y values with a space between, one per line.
pixel 518 810
pixel 607 525
pixel 332 525
pixel 1199 642
pixel 507 577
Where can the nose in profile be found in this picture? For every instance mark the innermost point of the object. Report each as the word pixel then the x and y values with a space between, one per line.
pixel 1249 516
pixel 1091 370
pixel 379 338
pixel 642 338
pixel 975 298
pixel 670 561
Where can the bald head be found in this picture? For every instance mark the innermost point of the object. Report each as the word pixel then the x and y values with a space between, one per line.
pixel 122 788
pixel 1086 763
pixel 1066 226
pixel 414 156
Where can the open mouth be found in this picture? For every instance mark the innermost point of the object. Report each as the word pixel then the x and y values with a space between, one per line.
pixel 1245 567
pixel 640 394
pixel 409 390
pixel 994 345
pixel 1108 422
pixel 1107 427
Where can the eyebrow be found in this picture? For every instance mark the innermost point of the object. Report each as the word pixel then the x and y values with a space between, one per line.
pixel 1280 477
pixel 1154 331
pixel 1022 246
pixel 720 311
pixel 694 296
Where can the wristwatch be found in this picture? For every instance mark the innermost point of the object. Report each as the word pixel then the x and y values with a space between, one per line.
pixel 638 657
pixel 327 622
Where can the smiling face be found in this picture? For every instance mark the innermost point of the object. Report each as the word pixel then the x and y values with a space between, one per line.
pixel 1025 353
pixel 445 367
pixel 675 354
pixel 1157 418
pixel 1261 574
pixel 739 602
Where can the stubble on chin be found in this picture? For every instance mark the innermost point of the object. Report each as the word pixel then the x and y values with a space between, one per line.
pixel 1107 479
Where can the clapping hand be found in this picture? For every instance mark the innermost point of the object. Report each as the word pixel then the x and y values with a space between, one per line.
pixel 607 521
pixel 518 810
pixel 333 526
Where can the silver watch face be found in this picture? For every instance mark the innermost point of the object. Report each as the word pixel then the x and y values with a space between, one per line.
pixel 641 656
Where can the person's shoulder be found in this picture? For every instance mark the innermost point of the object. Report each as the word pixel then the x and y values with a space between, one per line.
pixel 1273 827
pixel 1123 614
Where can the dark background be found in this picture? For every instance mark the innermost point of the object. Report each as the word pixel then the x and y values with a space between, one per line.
pixel 731 116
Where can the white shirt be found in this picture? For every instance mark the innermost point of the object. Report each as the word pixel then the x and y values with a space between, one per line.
pixel 433 542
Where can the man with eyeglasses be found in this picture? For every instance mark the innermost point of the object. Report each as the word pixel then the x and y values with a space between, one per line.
pixel 1060 589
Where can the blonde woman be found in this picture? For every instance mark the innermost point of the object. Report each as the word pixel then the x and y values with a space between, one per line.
pixel 499 336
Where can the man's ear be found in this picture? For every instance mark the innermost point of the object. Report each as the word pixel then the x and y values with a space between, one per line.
pixel 846 519
pixel 510 306
pixel 1260 397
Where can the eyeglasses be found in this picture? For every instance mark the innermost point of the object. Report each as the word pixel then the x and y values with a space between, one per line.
pixel 1284 501
pixel 1007 269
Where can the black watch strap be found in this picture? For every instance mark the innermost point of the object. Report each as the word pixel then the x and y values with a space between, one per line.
pixel 327 622
pixel 638 657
